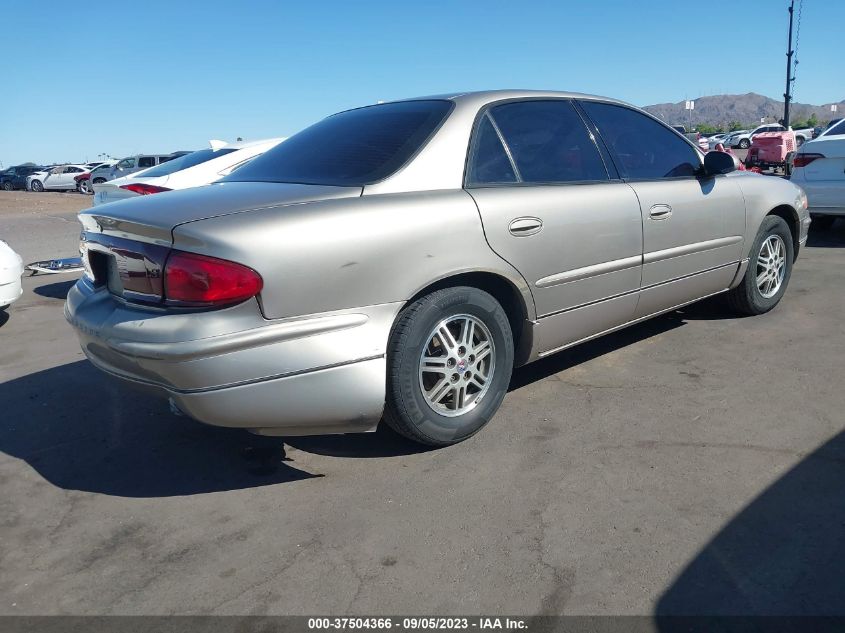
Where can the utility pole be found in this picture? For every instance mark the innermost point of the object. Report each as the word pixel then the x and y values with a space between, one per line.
pixel 787 96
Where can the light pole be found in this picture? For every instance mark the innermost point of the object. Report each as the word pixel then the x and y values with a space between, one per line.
pixel 787 96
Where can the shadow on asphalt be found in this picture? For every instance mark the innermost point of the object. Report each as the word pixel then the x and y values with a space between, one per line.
pixel 834 237
pixel 783 554
pixel 56 290
pixel 584 352
pixel 82 430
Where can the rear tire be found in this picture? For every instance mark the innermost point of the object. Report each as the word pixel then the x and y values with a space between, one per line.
pixel 769 269
pixel 453 394
pixel 823 222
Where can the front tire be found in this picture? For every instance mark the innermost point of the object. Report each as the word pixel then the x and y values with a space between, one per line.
pixel 449 363
pixel 769 269
pixel 85 187
pixel 744 143
pixel 37 186
pixel 7 186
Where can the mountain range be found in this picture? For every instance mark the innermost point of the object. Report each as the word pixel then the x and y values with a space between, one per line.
pixel 748 109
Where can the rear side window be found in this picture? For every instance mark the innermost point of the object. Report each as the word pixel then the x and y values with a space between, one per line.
pixel 489 163
pixel 838 128
pixel 548 142
pixel 352 148
pixel 146 161
pixel 643 148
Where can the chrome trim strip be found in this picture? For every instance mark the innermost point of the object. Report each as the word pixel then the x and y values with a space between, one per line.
pixel 593 270
pixel 236 341
pixel 632 322
pixel 689 249
pixel 623 294
pixel 170 389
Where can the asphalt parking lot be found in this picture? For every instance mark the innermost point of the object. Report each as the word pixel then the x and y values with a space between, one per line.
pixel 691 464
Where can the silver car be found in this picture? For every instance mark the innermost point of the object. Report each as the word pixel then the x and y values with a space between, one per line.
pixel 397 261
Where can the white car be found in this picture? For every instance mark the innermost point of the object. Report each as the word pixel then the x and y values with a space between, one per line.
pixel 11 269
pixel 714 140
pixel 59 178
pixel 743 139
pixel 731 140
pixel 191 170
pixel 819 169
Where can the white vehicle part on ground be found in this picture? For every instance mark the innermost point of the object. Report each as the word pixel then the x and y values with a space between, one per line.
pixel 11 269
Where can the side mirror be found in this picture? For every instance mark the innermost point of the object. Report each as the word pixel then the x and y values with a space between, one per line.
pixel 716 163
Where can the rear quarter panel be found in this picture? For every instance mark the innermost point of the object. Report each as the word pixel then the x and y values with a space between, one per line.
pixel 336 254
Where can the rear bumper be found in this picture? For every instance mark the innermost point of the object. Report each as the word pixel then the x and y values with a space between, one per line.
pixel 231 367
pixel 10 292
pixel 837 211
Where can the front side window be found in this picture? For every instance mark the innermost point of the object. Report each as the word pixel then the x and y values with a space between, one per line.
pixel 548 142
pixel 126 163
pixel 643 148
pixel 352 148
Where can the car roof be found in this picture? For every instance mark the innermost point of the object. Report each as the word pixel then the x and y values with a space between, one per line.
pixel 481 97
pixel 245 144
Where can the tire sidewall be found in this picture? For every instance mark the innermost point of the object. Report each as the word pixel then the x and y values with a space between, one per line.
pixel 37 186
pixel 406 389
pixel 772 225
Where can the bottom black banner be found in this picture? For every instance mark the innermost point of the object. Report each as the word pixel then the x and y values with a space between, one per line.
pixel 409 624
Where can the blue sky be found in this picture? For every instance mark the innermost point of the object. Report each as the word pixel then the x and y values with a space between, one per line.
pixel 153 76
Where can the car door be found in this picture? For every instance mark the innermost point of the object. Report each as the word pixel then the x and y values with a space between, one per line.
pixel 693 226
pixel 552 209
pixel 53 179
pixel 60 180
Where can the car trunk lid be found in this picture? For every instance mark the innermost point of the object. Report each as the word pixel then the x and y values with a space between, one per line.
pixel 125 244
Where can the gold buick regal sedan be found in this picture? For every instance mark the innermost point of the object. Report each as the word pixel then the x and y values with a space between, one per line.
pixel 396 261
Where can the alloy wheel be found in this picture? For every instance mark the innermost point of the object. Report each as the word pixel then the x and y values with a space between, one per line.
pixel 771 266
pixel 456 365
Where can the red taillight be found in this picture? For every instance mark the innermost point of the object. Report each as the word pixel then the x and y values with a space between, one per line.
pixel 142 189
pixel 802 160
pixel 202 280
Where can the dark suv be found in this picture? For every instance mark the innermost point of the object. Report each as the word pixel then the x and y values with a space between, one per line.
pixel 15 177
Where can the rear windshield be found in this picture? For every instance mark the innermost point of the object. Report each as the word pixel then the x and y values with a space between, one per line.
pixel 352 148
pixel 838 128
pixel 185 161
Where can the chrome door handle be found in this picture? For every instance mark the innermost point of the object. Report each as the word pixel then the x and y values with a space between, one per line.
pixel 522 227
pixel 660 212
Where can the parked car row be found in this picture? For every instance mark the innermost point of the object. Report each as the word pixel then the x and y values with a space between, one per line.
pixel 142 174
